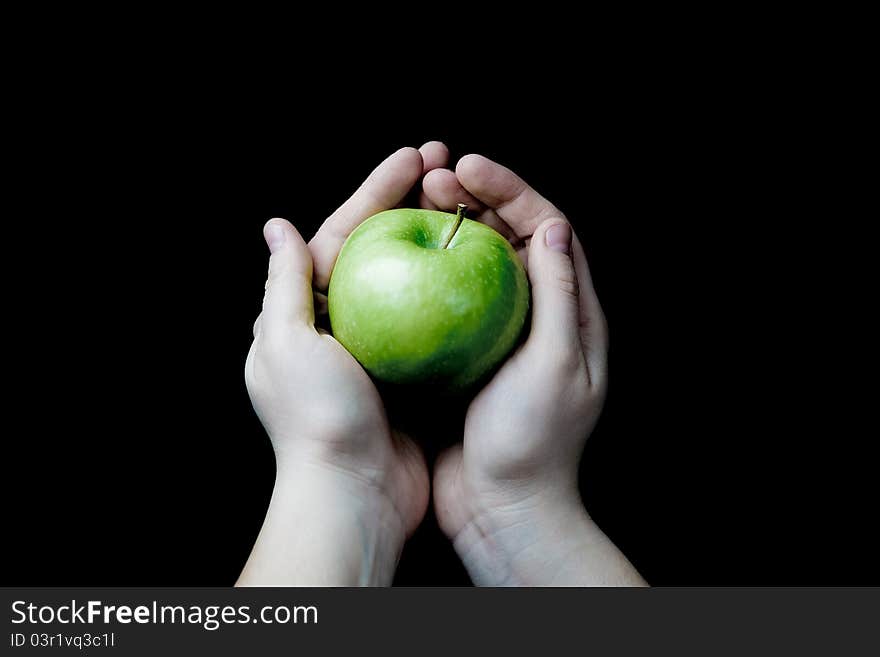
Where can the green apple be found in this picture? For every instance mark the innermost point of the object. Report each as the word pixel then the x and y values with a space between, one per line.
pixel 420 296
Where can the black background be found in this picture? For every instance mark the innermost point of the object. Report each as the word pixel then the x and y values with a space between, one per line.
pixel 133 456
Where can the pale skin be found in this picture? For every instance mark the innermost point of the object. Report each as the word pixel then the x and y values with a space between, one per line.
pixel 350 488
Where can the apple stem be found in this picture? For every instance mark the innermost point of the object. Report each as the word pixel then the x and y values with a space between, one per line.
pixel 459 215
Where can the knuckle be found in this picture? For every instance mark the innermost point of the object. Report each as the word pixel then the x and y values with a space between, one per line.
pixel 560 362
pixel 260 362
pixel 272 346
pixel 278 268
pixel 566 282
pixel 570 364
pixel 255 372
pixel 249 365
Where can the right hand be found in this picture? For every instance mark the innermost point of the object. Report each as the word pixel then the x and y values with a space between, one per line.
pixel 349 488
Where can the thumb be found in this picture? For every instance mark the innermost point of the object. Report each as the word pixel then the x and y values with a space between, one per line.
pixel 554 288
pixel 288 301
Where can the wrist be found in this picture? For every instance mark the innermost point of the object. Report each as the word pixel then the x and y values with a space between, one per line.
pixel 326 526
pixel 543 539
pixel 497 542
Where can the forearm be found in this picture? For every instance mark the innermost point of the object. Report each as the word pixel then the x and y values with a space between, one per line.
pixel 548 543
pixel 321 529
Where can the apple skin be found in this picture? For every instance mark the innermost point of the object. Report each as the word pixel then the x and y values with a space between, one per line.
pixel 412 312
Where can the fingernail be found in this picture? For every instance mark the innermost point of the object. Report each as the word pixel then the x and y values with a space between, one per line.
pixel 558 238
pixel 274 235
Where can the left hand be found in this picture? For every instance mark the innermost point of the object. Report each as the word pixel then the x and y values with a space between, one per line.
pixel 508 496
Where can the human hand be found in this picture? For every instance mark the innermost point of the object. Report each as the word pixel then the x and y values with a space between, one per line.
pixel 508 496
pixel 348 488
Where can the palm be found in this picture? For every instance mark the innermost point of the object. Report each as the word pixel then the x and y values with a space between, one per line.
pixel 508 422
pixel 498 198
pixel 389 450
pixel 391 454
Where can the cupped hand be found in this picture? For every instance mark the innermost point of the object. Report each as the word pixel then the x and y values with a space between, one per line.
pixel 342 471
pixel 508 495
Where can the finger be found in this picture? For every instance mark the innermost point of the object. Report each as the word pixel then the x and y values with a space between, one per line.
pixel 383 189
pixel 320 302
pixel 443 189
pixel 435 155
pixel 501 189
pixel 288 301
pixel 555 291
pixel 591 318
pixel 425 203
